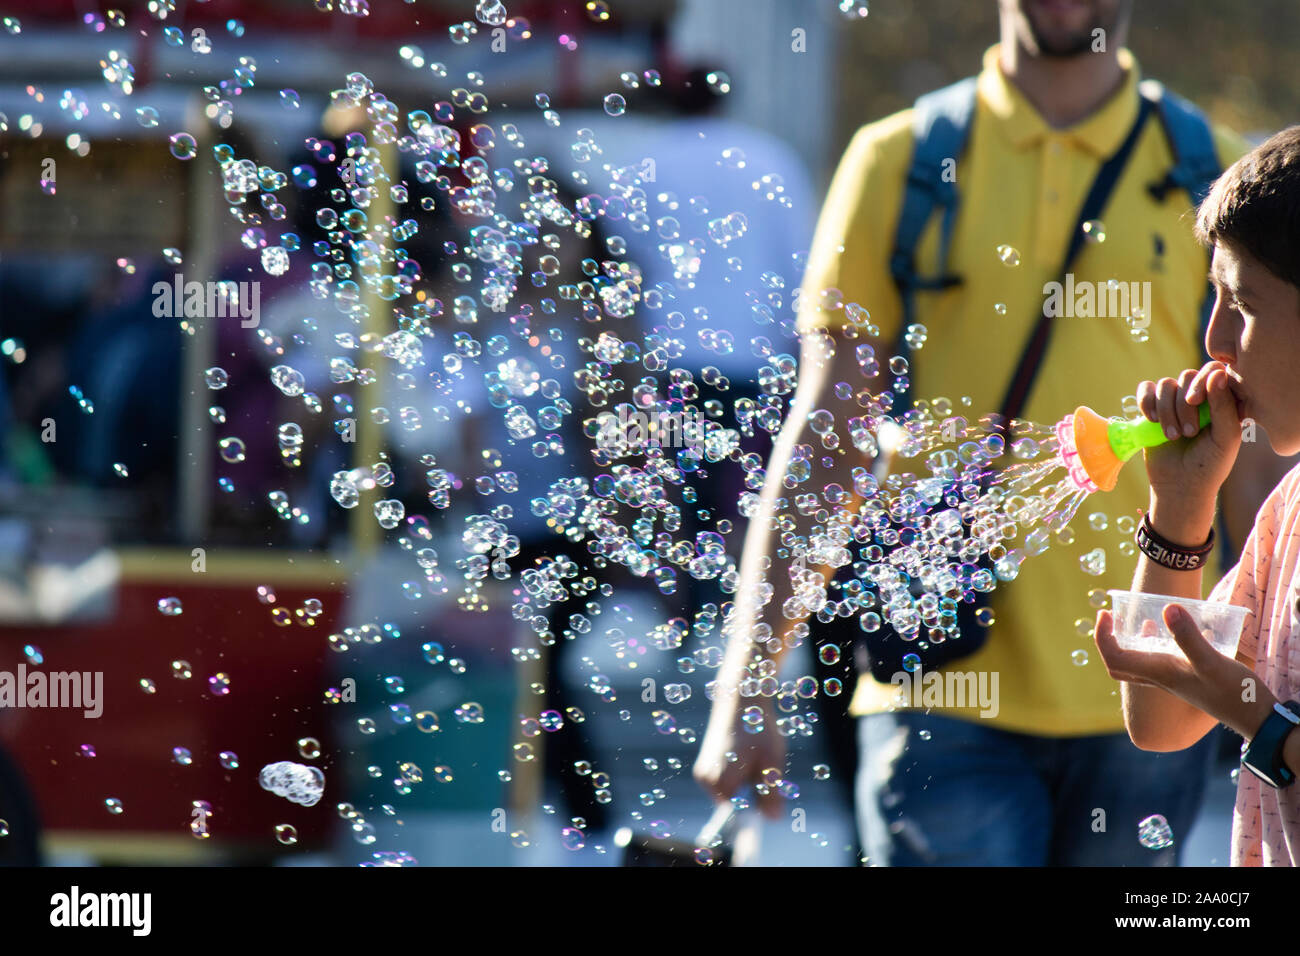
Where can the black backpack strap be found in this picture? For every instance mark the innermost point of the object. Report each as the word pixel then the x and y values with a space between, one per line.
pixel 1031 359
pixel 941 123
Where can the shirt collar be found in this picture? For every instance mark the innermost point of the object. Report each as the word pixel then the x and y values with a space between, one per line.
pixel 1100 134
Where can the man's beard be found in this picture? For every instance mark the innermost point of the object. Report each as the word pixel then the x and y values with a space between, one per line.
pixel 1064 49
pixel 1071 46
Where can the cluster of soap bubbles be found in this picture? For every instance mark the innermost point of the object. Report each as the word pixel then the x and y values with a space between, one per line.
pixel 923 544
pixel 920 545
pixel 567 344
pixel 296 782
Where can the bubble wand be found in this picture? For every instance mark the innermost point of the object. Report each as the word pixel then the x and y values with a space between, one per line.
pixel 1093 449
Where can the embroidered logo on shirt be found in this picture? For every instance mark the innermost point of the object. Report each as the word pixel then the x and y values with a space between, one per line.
pixel 1158 260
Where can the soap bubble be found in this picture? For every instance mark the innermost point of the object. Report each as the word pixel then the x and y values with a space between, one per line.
pixel 232 450
pixel 297 783
pixel 491 12
pixel 275 260
pixel 470 712
pixel 183 146
pixel 1094 562
pixel 288 380
pixel 1154 833
pixel 1008 255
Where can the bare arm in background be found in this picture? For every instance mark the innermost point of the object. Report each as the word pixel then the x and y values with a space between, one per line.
pixel 763 575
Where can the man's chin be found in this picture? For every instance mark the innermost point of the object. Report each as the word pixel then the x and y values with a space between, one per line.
pixel 1062 33
pixel 1064 47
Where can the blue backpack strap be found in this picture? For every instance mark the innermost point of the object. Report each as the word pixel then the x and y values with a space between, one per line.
pixel 941 124
pixel 1196 161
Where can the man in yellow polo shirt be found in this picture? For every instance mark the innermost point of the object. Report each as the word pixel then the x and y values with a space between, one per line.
pixel 1045 774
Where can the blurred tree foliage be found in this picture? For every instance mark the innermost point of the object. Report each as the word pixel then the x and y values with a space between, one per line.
pixel 1236 60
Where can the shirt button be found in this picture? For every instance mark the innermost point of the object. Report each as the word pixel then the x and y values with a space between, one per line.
pixel 1056 148
pixel 1050 195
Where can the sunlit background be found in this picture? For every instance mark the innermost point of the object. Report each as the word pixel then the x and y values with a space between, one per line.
pixel 302 631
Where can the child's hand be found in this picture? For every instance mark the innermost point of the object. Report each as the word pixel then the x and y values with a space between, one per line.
pixel 1191 471
pixel 1208 680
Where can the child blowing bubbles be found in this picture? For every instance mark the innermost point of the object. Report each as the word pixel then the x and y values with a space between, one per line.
pixel 1251 219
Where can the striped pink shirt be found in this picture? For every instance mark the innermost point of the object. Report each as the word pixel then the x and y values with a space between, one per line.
pixel 1266 581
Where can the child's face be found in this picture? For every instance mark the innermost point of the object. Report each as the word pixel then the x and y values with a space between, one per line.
pixel 1255 332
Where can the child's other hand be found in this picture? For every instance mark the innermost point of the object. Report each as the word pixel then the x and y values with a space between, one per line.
pixel 1209 681
pixel 1191 470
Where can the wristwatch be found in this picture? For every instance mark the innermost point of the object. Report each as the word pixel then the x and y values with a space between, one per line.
pixel 1262 756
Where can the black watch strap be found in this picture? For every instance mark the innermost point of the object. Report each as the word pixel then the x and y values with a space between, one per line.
pixel 1263 755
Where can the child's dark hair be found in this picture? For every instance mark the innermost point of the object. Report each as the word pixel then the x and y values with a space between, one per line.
pixel 1255 205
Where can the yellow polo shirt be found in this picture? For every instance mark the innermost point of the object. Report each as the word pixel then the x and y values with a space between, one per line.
pixel 1021 184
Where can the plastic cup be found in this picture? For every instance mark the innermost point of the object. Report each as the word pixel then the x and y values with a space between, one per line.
pixel 1139 623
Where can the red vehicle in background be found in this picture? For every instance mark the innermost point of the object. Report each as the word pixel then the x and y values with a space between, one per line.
pixel 107 509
